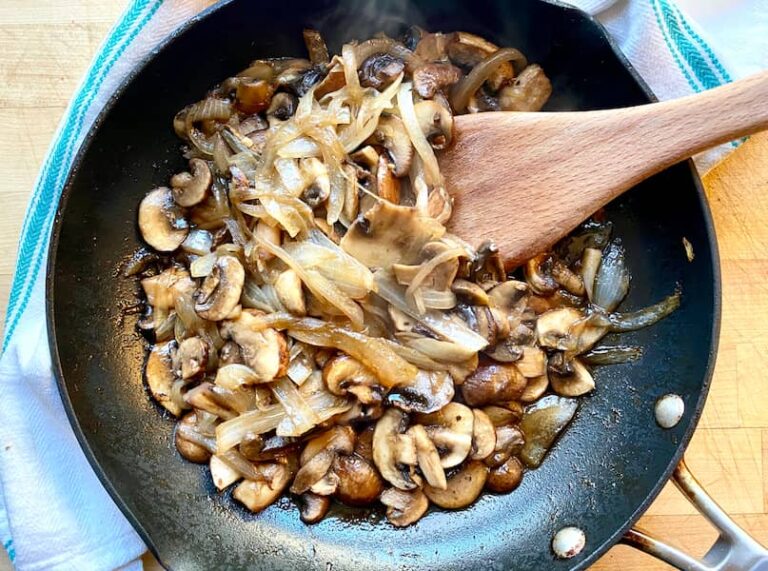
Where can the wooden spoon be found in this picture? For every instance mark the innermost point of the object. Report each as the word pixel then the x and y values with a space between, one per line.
pixel 524 180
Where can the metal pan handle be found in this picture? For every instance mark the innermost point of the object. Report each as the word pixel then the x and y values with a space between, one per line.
pixel 734 549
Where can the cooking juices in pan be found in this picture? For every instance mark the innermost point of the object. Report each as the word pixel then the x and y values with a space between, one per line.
pixel 315 327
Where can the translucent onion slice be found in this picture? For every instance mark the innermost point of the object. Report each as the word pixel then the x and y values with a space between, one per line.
pixel 418 139
pixel 303 418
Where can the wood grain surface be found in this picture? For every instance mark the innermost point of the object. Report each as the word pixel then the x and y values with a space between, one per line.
pixel 45 48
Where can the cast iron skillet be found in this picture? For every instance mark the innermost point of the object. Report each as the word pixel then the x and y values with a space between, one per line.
pixel 603 472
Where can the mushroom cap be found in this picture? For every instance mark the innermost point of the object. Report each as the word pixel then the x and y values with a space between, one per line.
pixel 505 478
pixel 258 495
pixel 379 70
pixel 429 392
pixel 436 122
pixel 462 488
pixel 492 383
pixel 220 292
pixel 359 482
pixel 404 508
pixel 579 383
pixel 343 374
pixel 314 507
pixel 161 222
pixel 159 375
pixel 391 134
pixel 190 189
pixel 191 358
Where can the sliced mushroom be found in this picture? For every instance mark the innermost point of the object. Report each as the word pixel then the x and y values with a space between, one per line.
pixel 555 325
pixel 230 354
pixel 428 457
pixel 460 371
pixel 568 279
pixel 220 292
pixel 483 436
pixel 313 471
pixel 532 363
pixel 387 185
pixel 505 478
pixel 529 92
pixel 451 430
pixel 191 358
pixel 501 416
pixel 254 96
pixel 391 134
pixel 290 293
pixel 379 70
pixel 251 446
pixel 268 233
pixel 190 450
pixel 359 482
pixel 493 383
pixel 314 507
pixel 462 488
pixel 337 439
pixel 468 50
pixel 430 78
pixel 487 267
pixel 160 377
pixel 580 382
pixel 390 234
pixel 366 157
pixel 538 274
pixel 333 81
pixel 404 508
pixel 161 222
pixel 163 289
pixel 343 374
pixel 440 204
pixel 535 388
pixel 222 474
pixel 283 106
pixel 258 495
pixel 364 443
pixel 263 350
pixel 190 188
pixel 436 123
pixel 509 441
pixel 469 291
pixel 387 449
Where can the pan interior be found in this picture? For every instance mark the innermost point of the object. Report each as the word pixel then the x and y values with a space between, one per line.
pixel 601 472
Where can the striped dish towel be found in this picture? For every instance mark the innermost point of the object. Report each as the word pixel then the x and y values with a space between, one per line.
pixel 54 514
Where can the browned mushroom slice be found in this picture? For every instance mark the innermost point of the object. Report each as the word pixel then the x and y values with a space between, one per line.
pixel 359 482
pixel 343 374
pixel 190 450
pixel 535 388
pixel 160 377
pixel 333 81
pixel 440 204
pixel 555 325
pixel 391 134
pixel 220 292
pixel 509 441
pixel 470 292
pixel 222 474
pixel 483 436
pixel 191 358
pixel 428 457
pixel 283 106
pixel 451 430
pixel 542 424
pixel 529 92
pixel 429 392
pixel 230 354
pixel 538 274
pixel 505 478
pixel 468 50
pixel 462 488
pixel 314 507
pixel 190 188
pixel 263 350
pixel 388 450
pixel 493 382
pixel 533 362
pixel 339 439
pixel 404 508
pixel 436 123
pixel 430 78
pixel 380 70
pixel 501 416
pixel 161 222
pixel 487 267
pixel 314 471
pixel 316 48
pixel 578 383
pixel 258 495
pixel 389 234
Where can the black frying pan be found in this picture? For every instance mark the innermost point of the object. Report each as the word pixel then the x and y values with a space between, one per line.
pixel 604 471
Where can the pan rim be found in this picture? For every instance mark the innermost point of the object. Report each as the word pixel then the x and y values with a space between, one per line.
pixel 597 551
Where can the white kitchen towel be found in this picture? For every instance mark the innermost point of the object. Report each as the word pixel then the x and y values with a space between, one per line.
pixel 54 514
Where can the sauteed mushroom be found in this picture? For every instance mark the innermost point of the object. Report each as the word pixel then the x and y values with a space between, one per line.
pixel 305 297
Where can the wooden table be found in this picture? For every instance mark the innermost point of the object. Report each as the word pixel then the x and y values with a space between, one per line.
pixel 45 48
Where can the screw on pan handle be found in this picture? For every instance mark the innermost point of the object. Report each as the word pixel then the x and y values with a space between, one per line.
pixel 734 550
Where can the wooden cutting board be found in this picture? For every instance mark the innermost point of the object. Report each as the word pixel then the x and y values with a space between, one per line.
pixel 45 48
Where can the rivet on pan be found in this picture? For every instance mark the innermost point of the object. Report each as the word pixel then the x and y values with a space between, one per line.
pixel 669 410
pixel 568 542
